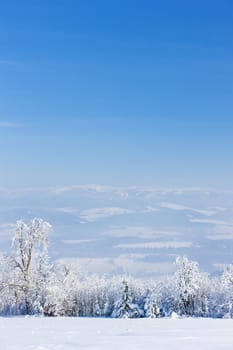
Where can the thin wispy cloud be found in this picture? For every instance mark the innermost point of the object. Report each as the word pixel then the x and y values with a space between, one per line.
pixel 94 214
pixel 149 194
pixel 123 264
pixel 129 264
pixel 221 233
pixel 79 241
pixel 4 124
pixel 175 206
pixel 93 265
pixel 221 237
pixel 212 222
pixel 7 62
pixel 138 231
pixel 155 245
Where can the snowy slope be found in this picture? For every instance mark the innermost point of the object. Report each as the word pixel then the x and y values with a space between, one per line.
pixel 124 334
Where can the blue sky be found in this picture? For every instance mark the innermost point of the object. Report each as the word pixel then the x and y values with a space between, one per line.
pixel 116 93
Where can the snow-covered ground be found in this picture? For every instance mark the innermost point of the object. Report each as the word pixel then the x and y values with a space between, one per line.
pixel 115 334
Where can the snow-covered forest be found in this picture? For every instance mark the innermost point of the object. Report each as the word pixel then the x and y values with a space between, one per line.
pixel 31 284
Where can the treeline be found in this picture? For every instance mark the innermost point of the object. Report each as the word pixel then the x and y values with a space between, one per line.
pixel 30 284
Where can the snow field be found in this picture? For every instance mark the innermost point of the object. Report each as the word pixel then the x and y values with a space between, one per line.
pixel 35 333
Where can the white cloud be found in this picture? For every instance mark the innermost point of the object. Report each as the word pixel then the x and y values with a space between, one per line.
pixel 123 264
pixel 88 188
pixel 110 192
pixel 138 231
pixel 80 241
pixel 222 232
pixel 221 237
pixel 91 265
pixel 174 206
pixel 212 222
pixel 219 209
pixel 129 265
pixel 150 209
pixel 155 245
pixel 70 211
pixel 129 191
pixel 94 214
pixel 153 192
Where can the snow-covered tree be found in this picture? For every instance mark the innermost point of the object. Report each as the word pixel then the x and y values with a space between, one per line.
pixel 28 266
pixel 61 299
pixel 227 288
pixel 124 307
pixel 151 308
pixel 166 295
pixel 30 284
pixel 97 310
pixel 187 284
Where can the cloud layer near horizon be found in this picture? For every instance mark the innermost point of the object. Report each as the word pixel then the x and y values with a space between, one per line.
pixel 151 225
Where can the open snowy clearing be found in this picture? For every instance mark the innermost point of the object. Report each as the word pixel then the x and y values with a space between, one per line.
pixel 92 333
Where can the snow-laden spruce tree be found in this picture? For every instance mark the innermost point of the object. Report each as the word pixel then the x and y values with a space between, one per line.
pixel 124 307
pixel 151 308
pixel 112 290
pixel 28 267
